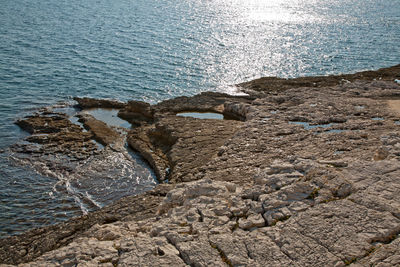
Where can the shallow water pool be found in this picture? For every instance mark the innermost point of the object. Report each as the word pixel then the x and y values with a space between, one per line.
pixel 201 115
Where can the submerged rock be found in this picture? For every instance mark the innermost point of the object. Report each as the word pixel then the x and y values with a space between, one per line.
pixel 55 134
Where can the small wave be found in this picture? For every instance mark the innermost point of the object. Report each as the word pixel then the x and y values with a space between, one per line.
pixel 89 197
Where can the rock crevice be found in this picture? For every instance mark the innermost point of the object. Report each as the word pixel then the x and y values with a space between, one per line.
pixel 307 176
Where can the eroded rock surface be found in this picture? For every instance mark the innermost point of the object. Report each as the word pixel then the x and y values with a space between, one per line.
pixel 87 103
pixel 137 112
pixel 176 146
pixel 261 85
pixel 102 133
pixel 56 134
pixel 310 178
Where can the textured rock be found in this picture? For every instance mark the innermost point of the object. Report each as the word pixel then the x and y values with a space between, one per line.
pixel 382 255
pixel 86 103
pixel 52 134
pixel 310 177
pixel 279 84
pixel 204 102
pixel 30 245
pixel 200 253
pixel 169 144
pixel 142 250
pixel 101 131
pixel 137 112
pixel 90 251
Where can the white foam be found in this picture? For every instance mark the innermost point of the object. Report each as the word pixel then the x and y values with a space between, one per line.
pixel 78 201
pixel 89 197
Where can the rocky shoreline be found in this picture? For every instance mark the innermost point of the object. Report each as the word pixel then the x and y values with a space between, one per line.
pixel 301 172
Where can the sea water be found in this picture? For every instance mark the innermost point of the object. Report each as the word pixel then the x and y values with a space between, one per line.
pixel 150 50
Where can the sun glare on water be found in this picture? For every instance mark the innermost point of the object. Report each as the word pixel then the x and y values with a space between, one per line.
pixel 266 11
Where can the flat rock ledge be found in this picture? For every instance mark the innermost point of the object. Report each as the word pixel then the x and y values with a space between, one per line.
pixel 307 176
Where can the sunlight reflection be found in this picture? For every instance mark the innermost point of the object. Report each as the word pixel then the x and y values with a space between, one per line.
pixel 266 11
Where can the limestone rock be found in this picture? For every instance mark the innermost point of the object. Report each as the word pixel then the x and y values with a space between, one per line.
pixel 184 193
pixel 144 251
pixel 252 221
pixel 381 154
pixel 85 252
pixel 293 184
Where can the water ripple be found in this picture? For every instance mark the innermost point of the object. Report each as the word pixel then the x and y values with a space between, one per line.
pixel 151 50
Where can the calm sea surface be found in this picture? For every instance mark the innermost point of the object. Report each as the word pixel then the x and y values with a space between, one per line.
pixel 52 50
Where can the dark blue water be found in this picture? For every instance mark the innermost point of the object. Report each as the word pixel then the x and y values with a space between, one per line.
pixel 52 50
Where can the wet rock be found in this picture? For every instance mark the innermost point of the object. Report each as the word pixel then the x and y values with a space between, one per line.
pixel 101 131
pixel 86 103
pixel 137 112
pixel 46 124
pixel 247 195
pixel 55 134
pixel 204 102
pixel 151 148
pixel 38 241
